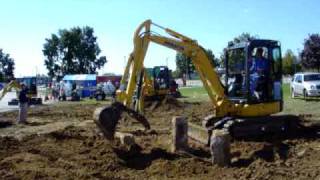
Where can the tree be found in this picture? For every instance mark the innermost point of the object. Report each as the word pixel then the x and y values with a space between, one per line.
pixel 242 38
pixel 185 66
pixel 310 55
pixel 215 61
pixel 6 66
pixel 73 51
pixel 237 55
pixel 289 62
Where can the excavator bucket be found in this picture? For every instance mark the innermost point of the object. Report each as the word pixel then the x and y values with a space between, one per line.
pixel 108 117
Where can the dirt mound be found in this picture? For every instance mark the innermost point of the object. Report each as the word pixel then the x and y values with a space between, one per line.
pixel 76 151
pixel 168 103
pixel 63 154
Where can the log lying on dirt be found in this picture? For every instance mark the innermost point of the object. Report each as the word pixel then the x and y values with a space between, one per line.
pixel 220 147
pixel 179 133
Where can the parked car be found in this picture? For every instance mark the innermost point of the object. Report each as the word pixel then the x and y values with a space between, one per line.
pixel 305 84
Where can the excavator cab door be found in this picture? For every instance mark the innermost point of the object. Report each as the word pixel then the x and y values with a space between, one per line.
pixel 253 72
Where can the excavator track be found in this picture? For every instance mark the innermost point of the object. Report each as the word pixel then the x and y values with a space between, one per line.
pixel 107 118
pixel 254 127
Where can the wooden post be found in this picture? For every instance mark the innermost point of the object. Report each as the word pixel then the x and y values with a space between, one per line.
pixel 220 147
pixel 179 133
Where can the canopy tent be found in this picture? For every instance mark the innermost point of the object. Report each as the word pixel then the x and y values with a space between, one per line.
pixel 80 77
pixel 86 82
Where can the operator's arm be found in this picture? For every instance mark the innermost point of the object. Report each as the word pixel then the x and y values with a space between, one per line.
pixel 251 65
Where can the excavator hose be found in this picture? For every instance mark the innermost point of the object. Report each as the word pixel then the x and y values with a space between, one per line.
pixel 108 117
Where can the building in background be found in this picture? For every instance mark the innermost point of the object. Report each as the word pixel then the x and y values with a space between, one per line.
pixel 115 79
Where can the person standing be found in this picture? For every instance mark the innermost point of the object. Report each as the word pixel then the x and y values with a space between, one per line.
pixel 23 105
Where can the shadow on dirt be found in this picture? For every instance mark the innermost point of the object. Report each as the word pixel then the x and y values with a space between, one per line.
pixel 138 160
pixel 4 124
pixel 268 153
pixel 199 152
pixel 242 162
pixel 36 123
pixel 289 128
pixel 68 133
pixel 274 129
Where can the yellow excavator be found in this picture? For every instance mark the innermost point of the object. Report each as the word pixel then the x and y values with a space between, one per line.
pixel 157 85
pixel 243 94
pixel 30 83
pixel 11 85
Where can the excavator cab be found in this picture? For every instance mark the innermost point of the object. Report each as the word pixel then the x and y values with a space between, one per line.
pixel 253 72
pixel 161 77
pixel 162 83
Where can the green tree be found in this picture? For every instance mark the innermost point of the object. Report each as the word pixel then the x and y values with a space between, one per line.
pixel 242 38
pixel 310 55
pixel 6 66
pixel 185 66
pixel 215 61
pixel 73 51
pixel 290 63
pixel 237 55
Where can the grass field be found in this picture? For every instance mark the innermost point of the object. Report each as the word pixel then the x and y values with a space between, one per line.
pixel 194 94
pixel 297 106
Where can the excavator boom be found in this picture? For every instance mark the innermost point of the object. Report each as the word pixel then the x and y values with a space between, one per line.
pixel 176 42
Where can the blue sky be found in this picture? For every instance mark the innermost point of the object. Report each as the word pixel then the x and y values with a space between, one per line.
pixel 24 25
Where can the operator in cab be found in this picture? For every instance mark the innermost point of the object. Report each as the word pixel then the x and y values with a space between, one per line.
pixel 259 67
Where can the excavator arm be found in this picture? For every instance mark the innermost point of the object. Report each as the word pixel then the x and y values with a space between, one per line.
pixel 12 85
pixel 180 43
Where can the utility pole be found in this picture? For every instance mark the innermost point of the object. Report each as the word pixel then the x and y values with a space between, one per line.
pixel 37 71
pixel 295 61
pixel 187 69
pixel 167 61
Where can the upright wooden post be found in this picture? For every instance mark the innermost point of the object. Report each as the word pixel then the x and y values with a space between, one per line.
pixel 220 147
pixel 179 133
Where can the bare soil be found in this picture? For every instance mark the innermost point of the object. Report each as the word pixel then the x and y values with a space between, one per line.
pixel 62 142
